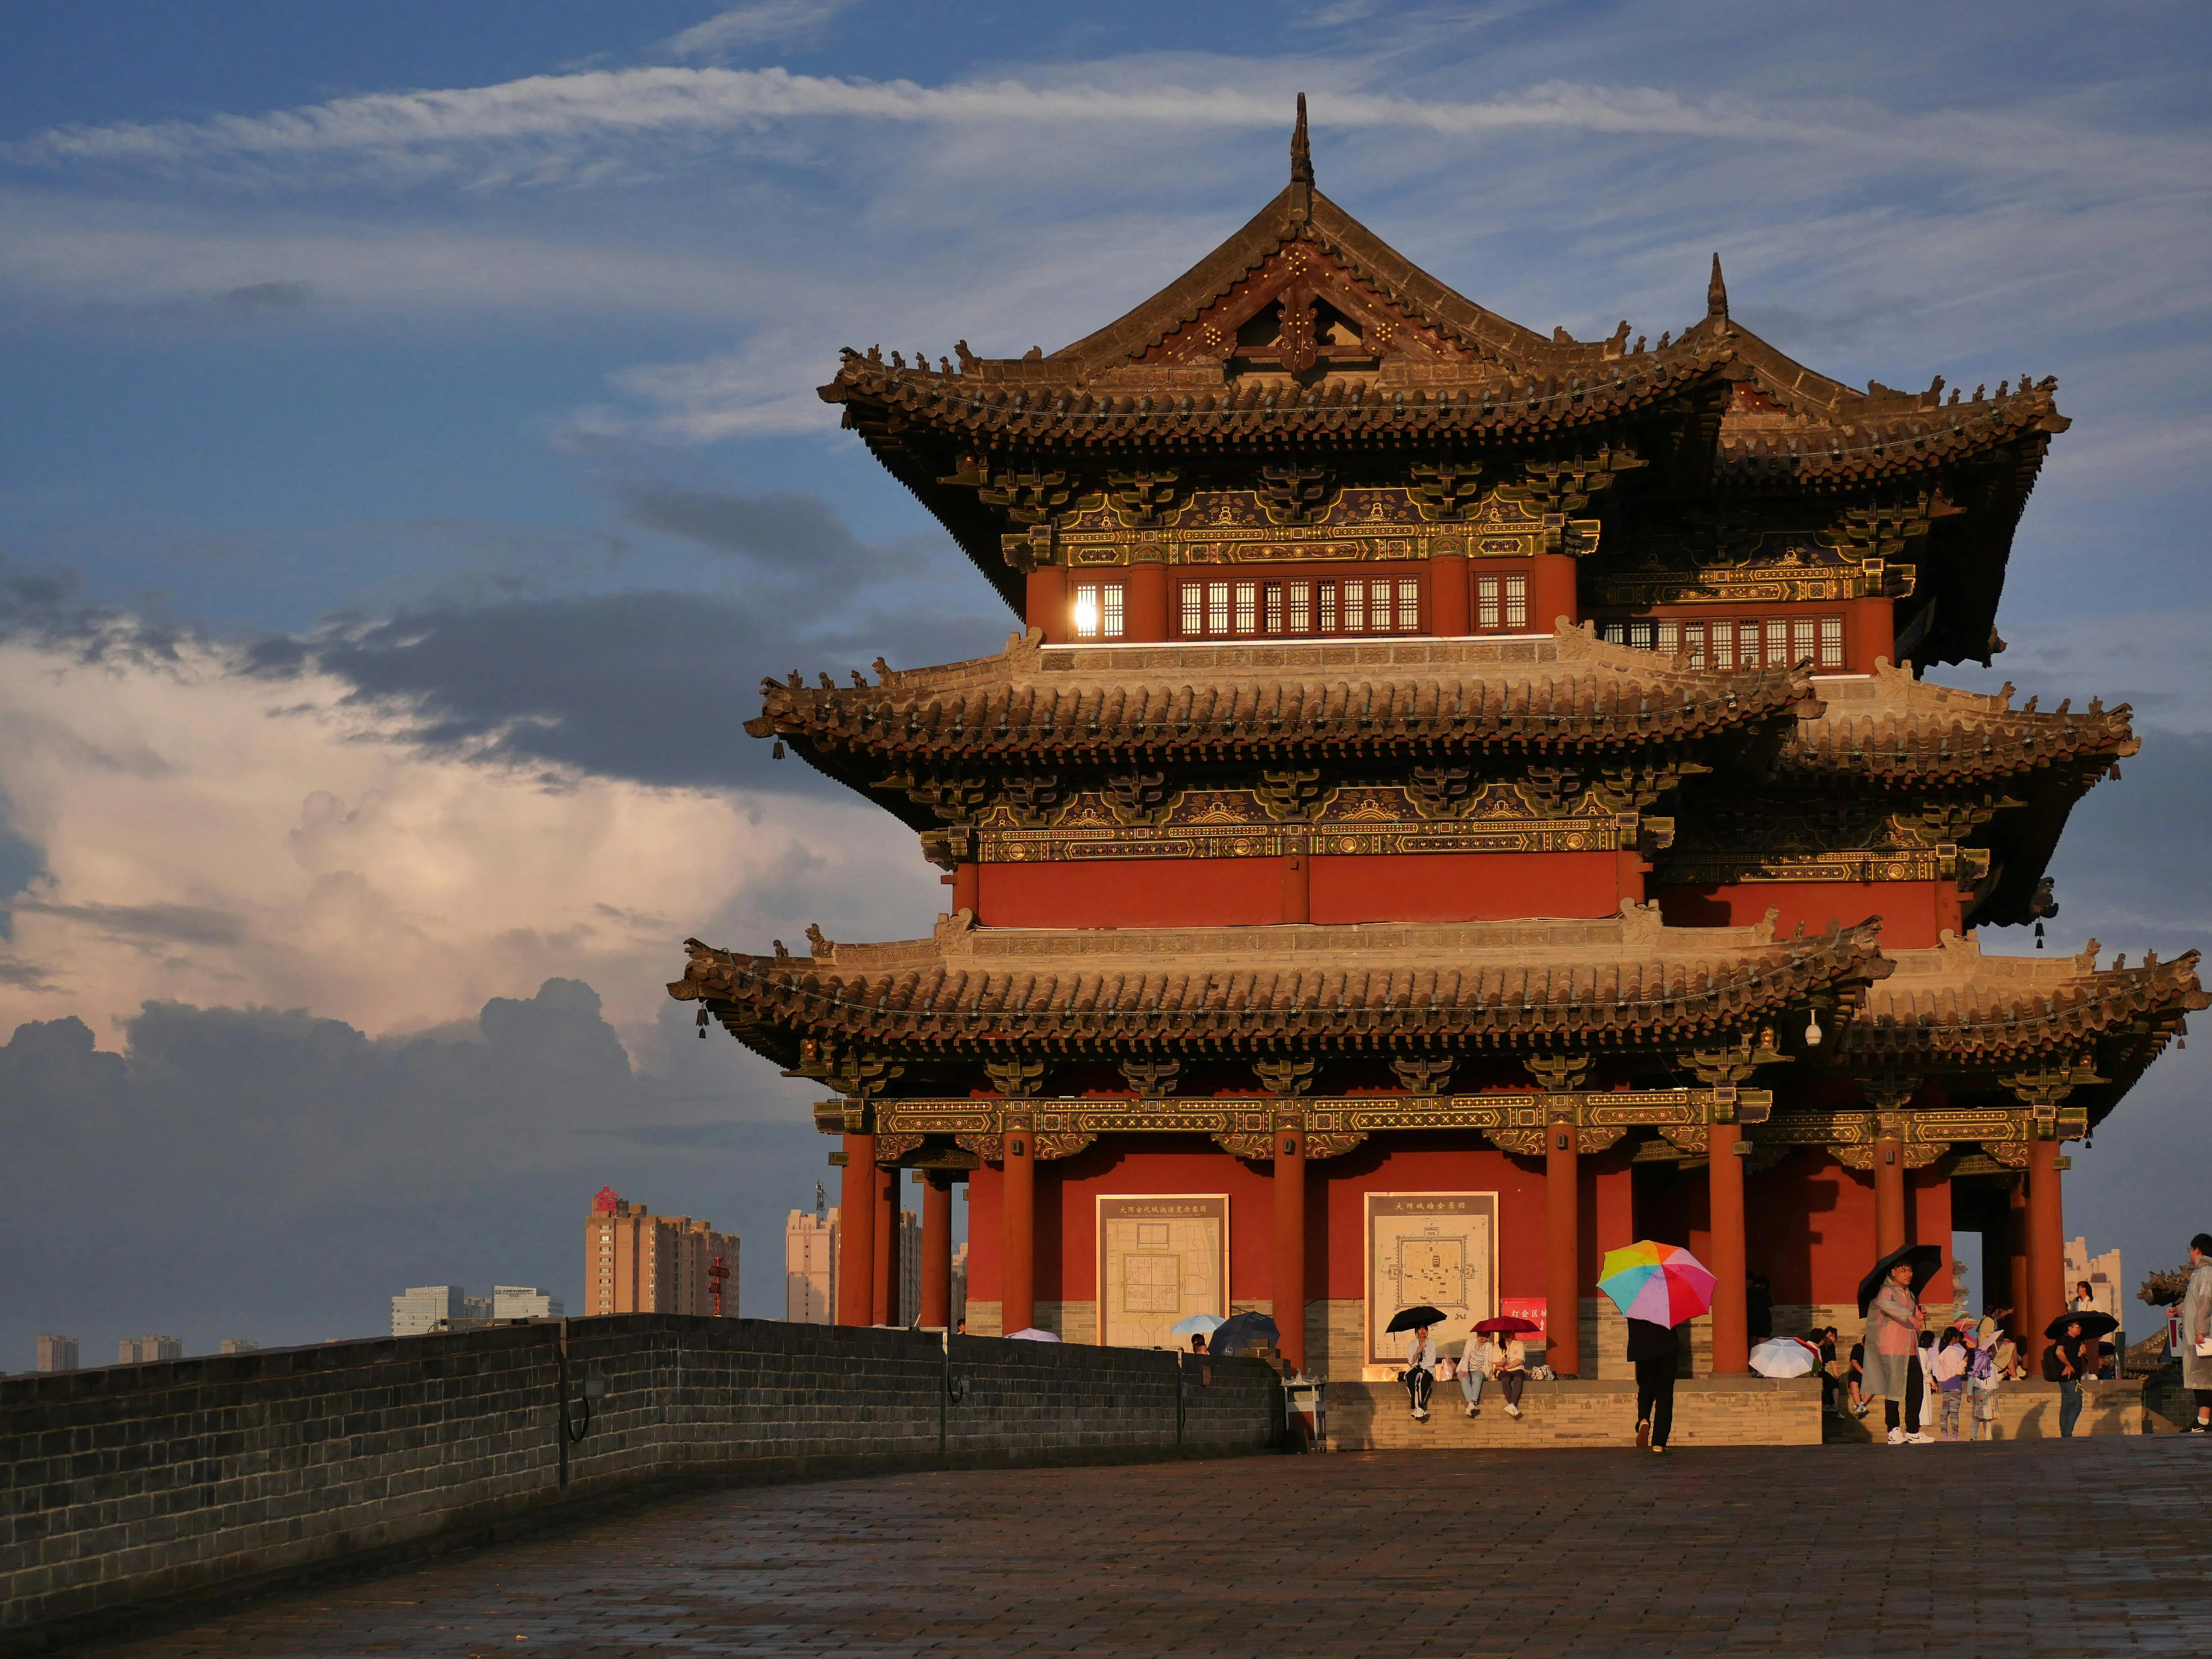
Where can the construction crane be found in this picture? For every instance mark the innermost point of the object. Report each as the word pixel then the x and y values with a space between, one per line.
pixel 717 1271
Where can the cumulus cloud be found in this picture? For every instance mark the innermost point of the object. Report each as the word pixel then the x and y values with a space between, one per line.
pixel 216 838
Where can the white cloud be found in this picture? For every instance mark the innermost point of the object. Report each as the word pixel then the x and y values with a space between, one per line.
pixel 220 840
pixel 750 25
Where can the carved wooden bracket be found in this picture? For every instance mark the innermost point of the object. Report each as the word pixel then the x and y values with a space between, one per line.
pixel 1061 1144
pixel 1888 1093
pixel 1153 1079
pixel 1717 1067
pixel 1423 1075
pixel 1017 1079
pixel 1597 1140
pixel 889 1149
pixel 1285 1077
pixel 1559 1073
pixel 1524 1143
pixel 2013 1154
pixel 986 1147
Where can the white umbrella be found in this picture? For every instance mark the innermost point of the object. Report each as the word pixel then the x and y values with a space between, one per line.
pixel 1782 1355
pixel 1198 1325
pixel 1032 1334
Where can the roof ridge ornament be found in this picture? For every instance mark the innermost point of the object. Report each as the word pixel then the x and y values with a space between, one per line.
pixel 1716 293
pixel 1302 173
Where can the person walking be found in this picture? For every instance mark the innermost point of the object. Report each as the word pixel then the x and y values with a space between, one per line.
pixel 1655 1351
pixel 1420 1374
pixel 1952 1360
pixel 2196 1331
pixel 2066 1362
pixel 1895 1317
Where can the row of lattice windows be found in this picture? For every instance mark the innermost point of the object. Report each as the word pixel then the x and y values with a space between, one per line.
pixel 1215 610
pixel 1747 642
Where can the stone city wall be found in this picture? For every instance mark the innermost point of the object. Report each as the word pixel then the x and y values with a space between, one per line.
pixel 127 1486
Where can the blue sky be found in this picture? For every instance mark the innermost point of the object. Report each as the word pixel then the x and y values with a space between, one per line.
pixel 413 463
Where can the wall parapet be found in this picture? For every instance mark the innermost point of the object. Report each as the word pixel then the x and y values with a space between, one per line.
pixel 123 1489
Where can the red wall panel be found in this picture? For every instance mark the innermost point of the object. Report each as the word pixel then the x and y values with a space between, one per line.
pixel 1464 886
pixel 1913 913
pixel 1133 893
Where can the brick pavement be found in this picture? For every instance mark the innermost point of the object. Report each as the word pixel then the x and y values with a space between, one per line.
pixel 2034 1548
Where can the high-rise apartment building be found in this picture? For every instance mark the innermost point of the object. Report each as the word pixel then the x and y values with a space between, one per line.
pixel 810 1264
pixel 239 1345
pixel 426 1308
pixel 635 1261
pixel 137 1350
pixel 57 1353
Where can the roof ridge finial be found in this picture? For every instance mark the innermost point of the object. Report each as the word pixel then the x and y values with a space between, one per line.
pixel 1301 149
pixel 1716 293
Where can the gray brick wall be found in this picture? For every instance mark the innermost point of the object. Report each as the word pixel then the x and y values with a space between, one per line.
pixel 129 1486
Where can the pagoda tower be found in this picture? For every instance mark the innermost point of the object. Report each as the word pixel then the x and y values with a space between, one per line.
pixel 1460 800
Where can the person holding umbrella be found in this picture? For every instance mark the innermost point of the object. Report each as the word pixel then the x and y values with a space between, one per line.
pixel 2073 1357
pixel 1419 1376
pixel 1501 1355
pixel 1660 1288
pixel 1889 1296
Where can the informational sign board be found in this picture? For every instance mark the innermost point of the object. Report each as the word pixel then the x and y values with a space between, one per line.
pixel 1161 1258
pixel 1435 1247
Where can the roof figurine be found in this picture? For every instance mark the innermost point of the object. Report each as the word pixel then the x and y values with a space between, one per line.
pixel 1716 295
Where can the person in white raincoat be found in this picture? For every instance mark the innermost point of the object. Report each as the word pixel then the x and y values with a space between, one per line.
pixel 2196 1331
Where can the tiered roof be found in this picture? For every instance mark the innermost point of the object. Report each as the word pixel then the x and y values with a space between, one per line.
pixel 1417 367
pixel 1623 982
pixel 1951 1006
pixel 1566 695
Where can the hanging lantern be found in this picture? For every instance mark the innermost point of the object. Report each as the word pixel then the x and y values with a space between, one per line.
pixel 1813 1029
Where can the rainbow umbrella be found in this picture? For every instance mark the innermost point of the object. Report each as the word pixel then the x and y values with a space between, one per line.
pixel 1663 1283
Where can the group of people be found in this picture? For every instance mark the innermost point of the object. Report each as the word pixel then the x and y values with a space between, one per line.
pixel 1900 1362
pixel 1501 1357
pixel 1486 1357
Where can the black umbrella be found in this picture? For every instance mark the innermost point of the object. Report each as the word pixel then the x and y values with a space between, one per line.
pixel 2092 1324
pixel 1924 1259
pixel 1242 1331
pixel 1408 1319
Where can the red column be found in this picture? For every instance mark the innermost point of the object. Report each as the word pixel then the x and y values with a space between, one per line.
pixel 1551 591
pixel 966 885
pixel 1888 1195
pixel 1145 606
pixel 1017 1233
pixel 1290 1241
pixel 1724 1176
pixel 1045 605
pixel 936 1251
pixel 2016 1253
pixel 883 1282
pixel 1448 609
pixel 1875 623
pixel 1563 1289
pixel 856 1233
pixel 2045 1296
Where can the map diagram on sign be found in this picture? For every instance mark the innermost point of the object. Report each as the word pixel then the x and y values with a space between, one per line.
pixel 1437 1248
pixel 1159 1259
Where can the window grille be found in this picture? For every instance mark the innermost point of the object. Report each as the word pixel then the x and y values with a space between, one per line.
pixel 1217 607
pixel 1248 597
pixel 1355 607
pixel 1409 605
pixel 1326 623
pixel 1271 612
pixel 1301 608
pixel 1194 610
pixel 1727 645
pixel 1098 613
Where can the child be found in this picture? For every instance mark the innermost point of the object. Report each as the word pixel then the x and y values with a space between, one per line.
pixel 1949 1373
pixel 1983 1375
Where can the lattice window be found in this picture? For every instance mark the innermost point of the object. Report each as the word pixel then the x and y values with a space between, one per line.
pixel 1217 607
pixel 1271 608
pixel 1248 607
pixel 1098 611
pixel 1727 645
